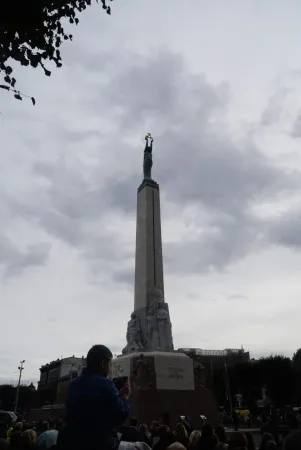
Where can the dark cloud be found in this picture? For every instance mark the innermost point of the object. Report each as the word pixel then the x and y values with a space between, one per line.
pixel 285 230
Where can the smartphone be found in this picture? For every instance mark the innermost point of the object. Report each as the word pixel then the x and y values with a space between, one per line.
pixel 120 382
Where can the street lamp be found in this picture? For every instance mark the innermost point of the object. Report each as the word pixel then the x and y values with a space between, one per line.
pixel 20 368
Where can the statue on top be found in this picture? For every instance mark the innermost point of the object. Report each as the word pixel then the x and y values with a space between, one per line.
pixel 148 157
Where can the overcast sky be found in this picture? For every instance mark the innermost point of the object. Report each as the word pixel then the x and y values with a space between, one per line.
pixel 218 84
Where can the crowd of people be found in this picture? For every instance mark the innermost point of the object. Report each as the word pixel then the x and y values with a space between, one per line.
pixel 47 436
pixel 96 412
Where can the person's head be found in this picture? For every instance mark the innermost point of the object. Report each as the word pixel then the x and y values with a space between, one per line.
pixel 220 433
pixel 143 428
pixel 133 422
pixel 207 432
pixel 267 437
pixel 28 438
pixel 45 426
pixel 154 425
pixel 250 441
pixel 176 446
pixel 18 426
pixel 194 438
pixel 238 441
pixel 99 360
pixel 52 424
pixel 180 432
pixel 162 431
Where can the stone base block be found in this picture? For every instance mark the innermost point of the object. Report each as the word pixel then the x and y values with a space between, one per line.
pixel 165 383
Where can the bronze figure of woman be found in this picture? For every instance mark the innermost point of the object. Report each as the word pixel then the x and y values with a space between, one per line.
pixel 148 157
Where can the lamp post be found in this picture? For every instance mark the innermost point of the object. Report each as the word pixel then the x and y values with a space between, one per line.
pixel 20 368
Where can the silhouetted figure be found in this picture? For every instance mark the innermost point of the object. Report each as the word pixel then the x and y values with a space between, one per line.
pixel 250 441
pixel 293 441
pixel 94 406
pixel 238 441
pixel 181 434
pixel 207 440
pixel 145 436
pixel 131 433
pixel 194 440
pixel 164 438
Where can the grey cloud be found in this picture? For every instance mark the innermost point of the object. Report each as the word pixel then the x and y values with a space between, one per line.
pixel 237 297
pixel 213 247
pixel 272 112
pixel 14 261
pixel 285 230
pixel 195 160
pixel 296 128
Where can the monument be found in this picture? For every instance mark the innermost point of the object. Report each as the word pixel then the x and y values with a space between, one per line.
pixel 149 328
pixel 164 381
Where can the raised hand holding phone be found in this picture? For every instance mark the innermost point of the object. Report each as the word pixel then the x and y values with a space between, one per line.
pixel 125 391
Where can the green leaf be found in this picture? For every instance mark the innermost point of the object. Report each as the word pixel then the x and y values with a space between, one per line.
pixel 18 97
pixel 33 100
pixel 2 86
pixel 8 70
pixel 47 72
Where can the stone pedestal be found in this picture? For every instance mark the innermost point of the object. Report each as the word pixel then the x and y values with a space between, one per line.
pixel 165 383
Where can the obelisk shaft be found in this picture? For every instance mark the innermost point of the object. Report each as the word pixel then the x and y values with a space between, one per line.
pixel 149 328
pixel 149 260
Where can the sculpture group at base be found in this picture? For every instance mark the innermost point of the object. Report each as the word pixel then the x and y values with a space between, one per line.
pixel 150 328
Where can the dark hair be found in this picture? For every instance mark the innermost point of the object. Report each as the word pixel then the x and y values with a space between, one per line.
pixel 267 437
pixel 207 431
pixel 237 441
pixel 221 434
pixel 250 441
pixel 96 355
pixel 292 441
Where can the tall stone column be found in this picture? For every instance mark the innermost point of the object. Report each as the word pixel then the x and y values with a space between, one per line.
pixel 149 328
pixel 148 259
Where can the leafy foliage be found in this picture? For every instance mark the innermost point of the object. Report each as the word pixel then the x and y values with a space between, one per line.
pixel 279 376
pixel 28 397
pixel 297 375
pixel 31 33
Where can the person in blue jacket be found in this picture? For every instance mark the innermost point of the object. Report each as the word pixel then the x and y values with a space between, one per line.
pixel 94 406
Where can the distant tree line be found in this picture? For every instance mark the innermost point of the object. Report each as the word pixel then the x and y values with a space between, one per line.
pixel 28 397
pixel 275 380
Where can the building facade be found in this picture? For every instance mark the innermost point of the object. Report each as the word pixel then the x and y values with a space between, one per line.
pixel 213 360
pixel 53 372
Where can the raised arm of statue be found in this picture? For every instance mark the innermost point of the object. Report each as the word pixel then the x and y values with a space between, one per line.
pixel 148 157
